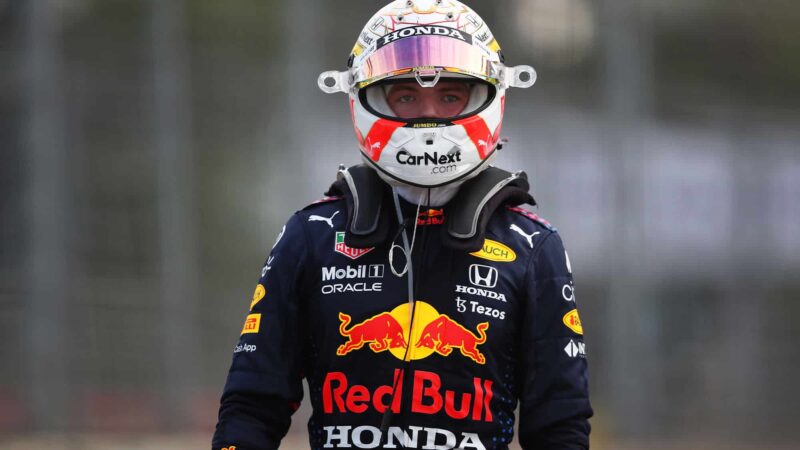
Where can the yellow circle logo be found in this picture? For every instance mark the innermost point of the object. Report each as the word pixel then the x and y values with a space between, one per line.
pixel 423 313
pixel 259 294
pixel 573 322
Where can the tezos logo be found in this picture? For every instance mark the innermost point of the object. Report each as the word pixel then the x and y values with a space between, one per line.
pixel 461 306
pixel 424 31
pixel 483 276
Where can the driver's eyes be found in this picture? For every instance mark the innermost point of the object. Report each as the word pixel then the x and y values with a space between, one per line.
pixel 450 99
pixel 405 99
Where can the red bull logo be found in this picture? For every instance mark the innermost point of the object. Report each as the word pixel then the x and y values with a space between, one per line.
pixel 433 333
pixel 444 334
pixel 430 217
pixel 382 332
pixel 428 396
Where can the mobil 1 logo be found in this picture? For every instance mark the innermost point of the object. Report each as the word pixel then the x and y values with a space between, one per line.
pixel 352 272
pixel 355 279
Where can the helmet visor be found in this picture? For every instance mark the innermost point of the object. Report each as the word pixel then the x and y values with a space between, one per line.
pixel 428 52
pixel 402 100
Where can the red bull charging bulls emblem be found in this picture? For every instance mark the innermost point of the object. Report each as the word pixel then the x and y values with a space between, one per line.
pixel 382 332
pixel 433 333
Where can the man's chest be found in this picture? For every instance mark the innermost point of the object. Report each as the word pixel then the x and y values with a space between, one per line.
pixel 465 305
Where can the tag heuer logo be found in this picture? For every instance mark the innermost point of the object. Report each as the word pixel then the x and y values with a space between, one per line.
pixel 352 253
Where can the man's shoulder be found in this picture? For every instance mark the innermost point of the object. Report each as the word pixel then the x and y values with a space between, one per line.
pixel 531 216
pixel 524 229
pixel 515 216
pixel 328 211
pixel 323 206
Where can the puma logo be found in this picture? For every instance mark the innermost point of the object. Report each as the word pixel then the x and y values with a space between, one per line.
pixel 528 237
pixel 328 220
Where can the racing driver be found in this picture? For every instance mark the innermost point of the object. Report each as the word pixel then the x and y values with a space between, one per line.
pixel 420 303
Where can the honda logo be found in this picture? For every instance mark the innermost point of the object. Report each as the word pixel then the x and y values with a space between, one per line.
pixel 483 276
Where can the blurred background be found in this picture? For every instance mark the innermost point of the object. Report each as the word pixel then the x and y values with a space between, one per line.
pixel 151 150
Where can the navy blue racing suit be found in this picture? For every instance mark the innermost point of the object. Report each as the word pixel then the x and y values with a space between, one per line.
pixel 490 329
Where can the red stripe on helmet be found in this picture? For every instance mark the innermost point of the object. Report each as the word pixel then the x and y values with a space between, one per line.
pixel 378 136
pixel 496 135
pixel 477 130
pixel 479 134
pixel 359 136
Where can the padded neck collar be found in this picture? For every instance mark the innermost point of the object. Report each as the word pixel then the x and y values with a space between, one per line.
pixel 369 211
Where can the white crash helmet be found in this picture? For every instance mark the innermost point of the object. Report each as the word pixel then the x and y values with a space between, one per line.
pixel 427 41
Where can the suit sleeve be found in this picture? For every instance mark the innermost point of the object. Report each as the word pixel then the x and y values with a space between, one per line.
pixel 264 384
pixel 554 401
